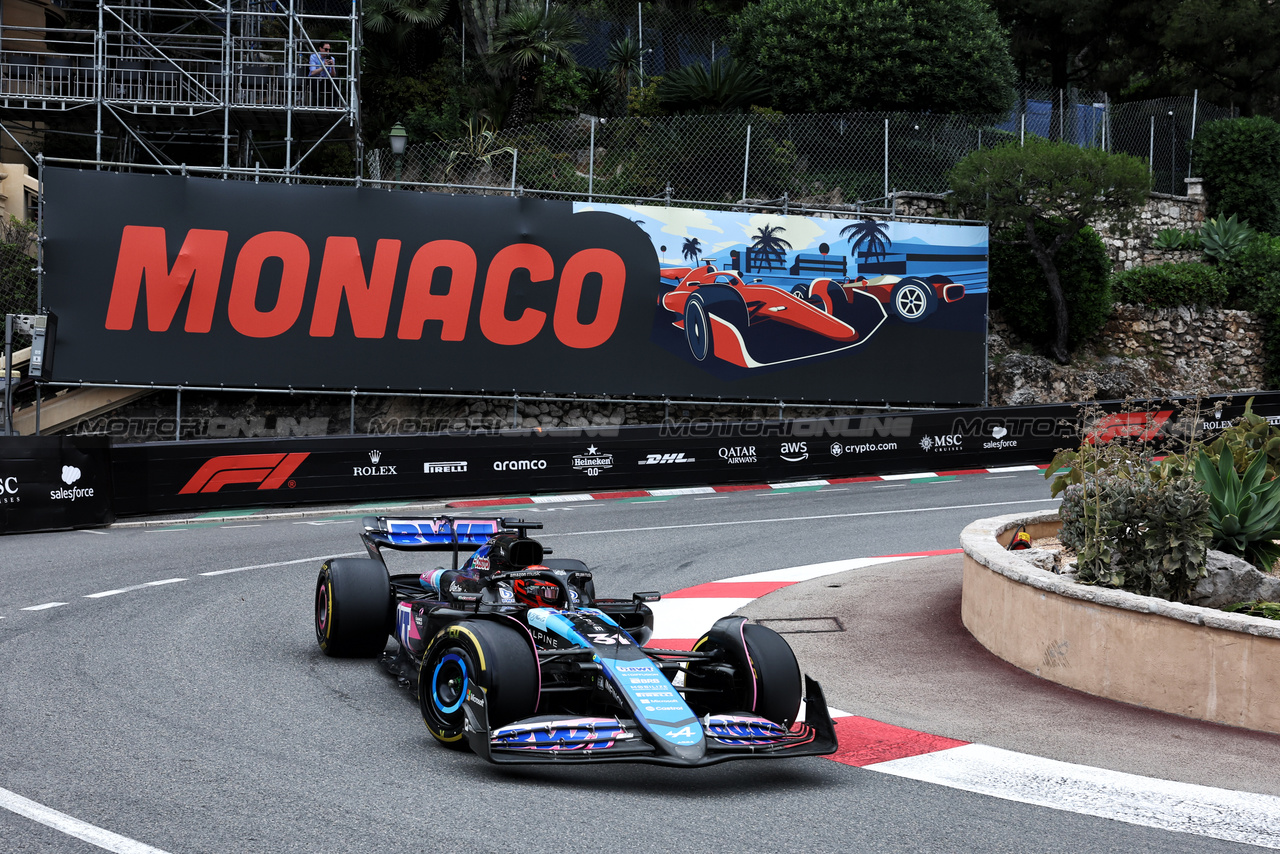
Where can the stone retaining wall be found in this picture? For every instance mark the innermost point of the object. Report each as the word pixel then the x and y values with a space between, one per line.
pixel 1198 662
pixel 1185 213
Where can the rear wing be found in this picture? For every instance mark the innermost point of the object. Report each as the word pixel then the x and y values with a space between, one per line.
pixel 436 533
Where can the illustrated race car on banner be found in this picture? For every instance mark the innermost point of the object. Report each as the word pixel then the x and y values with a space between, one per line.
pixel 757 324
pixel 513 656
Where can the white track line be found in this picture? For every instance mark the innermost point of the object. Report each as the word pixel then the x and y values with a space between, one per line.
pixel 798 518
pixel 106 593
pixel 282 563
pixel 1181 807
pixel 45 607
pixel 73 826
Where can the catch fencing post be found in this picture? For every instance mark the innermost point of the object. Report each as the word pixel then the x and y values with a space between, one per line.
pixel 352 427
pixel 515 157
pixel 886 158
pixel 177 417
pixel 591 167
pixel 1151 149
pixel 746 164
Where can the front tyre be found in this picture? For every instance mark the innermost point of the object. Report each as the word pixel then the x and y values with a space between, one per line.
pixel 765 676
pixel 472 655
pixel 913 300
pixel 353 608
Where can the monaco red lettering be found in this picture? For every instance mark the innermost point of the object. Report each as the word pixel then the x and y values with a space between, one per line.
pixel 143 259
pixel 585 302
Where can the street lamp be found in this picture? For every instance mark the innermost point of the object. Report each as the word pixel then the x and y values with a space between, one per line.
pixel 399 139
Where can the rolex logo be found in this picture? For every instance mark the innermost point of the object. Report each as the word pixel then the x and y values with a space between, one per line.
pixel 374 456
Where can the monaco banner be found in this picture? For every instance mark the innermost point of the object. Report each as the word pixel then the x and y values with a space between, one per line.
pixel 192 281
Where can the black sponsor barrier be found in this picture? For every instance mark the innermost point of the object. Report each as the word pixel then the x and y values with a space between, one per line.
pixel 168 280
pixel 51 483
pixel 247 473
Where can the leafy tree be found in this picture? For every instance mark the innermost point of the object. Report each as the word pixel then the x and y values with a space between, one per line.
pixel 827 56
pixel 1231 49
pixel 1057 184
pixel 1240 162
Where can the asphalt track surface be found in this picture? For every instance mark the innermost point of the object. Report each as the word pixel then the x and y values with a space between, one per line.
pixel 188 709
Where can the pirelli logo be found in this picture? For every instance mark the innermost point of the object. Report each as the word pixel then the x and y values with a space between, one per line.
pixel 443 468
pixel 268 471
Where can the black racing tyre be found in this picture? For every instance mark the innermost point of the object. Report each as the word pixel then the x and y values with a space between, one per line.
pixel 354 607
pixel 800 291
pixel 476 653
pixel 913 300
pixel 766 676
pixel 697 328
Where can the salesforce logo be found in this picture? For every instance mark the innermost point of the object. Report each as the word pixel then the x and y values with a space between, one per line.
pixel 999 441
pixel 519 465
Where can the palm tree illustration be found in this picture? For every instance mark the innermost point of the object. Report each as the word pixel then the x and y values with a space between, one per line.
pixel 869 235
pixel 692 249
pixel 771 249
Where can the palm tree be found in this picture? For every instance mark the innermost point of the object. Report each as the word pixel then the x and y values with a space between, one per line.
pixel 692 249
pixel 401 19
pixel 624 61
pixel 769 247
pixel 869 233
pixel 527 38
pixel 728 86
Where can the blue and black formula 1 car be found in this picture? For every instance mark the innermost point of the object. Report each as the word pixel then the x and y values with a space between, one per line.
pixel 513 656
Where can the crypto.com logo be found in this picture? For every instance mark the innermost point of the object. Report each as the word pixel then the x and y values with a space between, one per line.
pixel 269 471
pixel 1143 426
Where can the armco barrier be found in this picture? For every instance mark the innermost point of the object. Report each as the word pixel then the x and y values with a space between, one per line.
pixel 50 483
pixel 203 475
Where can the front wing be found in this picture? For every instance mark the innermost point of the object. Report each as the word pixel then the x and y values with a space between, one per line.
pixel 561 739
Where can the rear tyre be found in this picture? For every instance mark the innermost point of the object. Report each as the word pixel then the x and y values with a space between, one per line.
pixel 353 608
pixel 765 678
pixel 697 328
pixel 471 655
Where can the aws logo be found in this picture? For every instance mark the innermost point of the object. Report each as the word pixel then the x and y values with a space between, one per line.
pixel 794 452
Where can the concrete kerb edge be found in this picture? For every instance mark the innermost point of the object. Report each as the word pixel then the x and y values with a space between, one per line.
pixel 978 541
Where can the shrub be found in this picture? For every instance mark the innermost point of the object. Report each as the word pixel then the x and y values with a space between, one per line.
pixel 1240 162
pixel 1019 289
pixel 1253 281
pixel 1134 530
pixel 1169 285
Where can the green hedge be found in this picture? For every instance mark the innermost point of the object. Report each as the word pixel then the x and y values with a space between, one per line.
pixel 1170 285
pixel 1240 162
pixel 1020 291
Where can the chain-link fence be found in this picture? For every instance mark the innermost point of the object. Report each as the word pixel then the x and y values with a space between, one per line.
pixel 850 159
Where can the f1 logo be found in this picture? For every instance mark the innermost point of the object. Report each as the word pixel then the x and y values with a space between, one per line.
pixel 269 471
pixel 1145 426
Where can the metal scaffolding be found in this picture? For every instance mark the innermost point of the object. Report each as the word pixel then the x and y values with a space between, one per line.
pixel 183 83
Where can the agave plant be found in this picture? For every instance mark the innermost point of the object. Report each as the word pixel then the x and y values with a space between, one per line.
pixel 1244 512
pixel 476 150
pixel 1224 239
pixel 1174 238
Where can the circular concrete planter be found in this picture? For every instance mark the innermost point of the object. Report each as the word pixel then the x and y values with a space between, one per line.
pixel 1192 661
